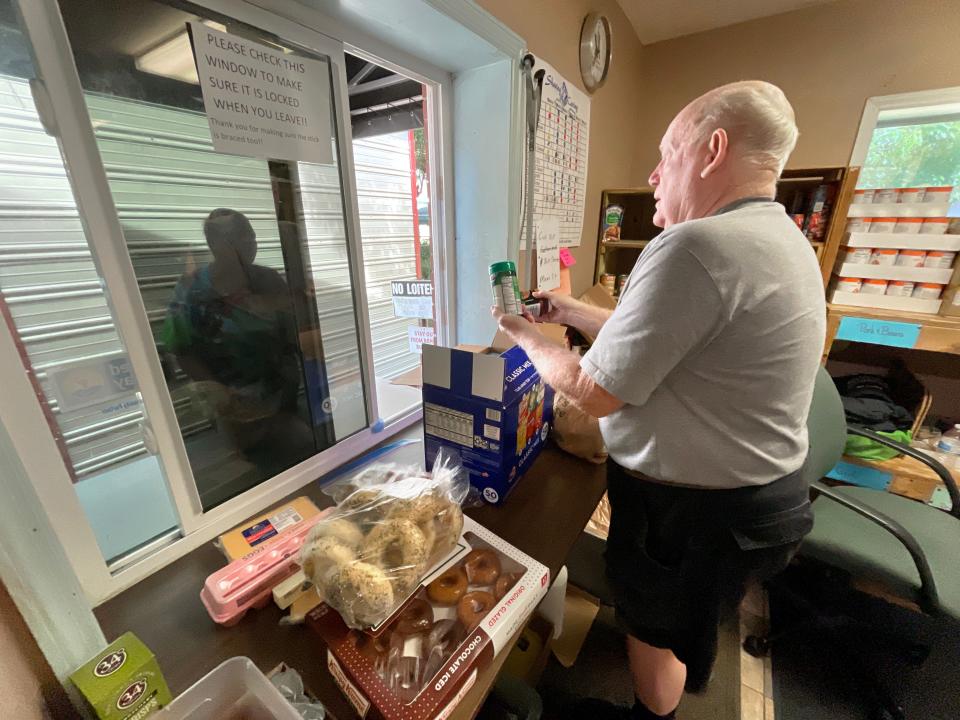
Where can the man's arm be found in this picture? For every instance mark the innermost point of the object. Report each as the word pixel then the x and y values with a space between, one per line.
pixel 564 310
pixel 559 368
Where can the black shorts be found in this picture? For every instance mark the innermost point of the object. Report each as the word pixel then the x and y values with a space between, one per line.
pixel 679 558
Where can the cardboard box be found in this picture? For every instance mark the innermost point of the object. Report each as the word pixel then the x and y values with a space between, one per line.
pixel 124 681
pixel 358 661
pixel 489 409
pixel 257 533
pixel 598 296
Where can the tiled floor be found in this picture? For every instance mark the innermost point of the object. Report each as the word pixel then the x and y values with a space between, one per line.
pixel 756 674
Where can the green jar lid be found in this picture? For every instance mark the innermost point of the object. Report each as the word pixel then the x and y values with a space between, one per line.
pixel 503 266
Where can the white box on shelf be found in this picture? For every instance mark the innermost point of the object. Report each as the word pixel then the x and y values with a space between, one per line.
pixel 899 210
pixel 906 242
pixel 896 272
pixel 886 302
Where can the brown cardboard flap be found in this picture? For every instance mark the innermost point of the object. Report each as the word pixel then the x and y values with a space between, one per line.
pixel 551 331
pixel 413 378
pixel 598 296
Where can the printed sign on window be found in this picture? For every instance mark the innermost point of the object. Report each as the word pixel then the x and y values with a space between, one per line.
pixel 418 336
pixel 261 102
pixel 412 299
pixel 95 382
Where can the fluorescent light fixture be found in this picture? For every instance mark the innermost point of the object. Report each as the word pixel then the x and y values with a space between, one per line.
pixel 173 58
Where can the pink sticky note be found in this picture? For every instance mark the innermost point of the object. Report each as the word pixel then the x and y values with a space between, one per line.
pixel 566 258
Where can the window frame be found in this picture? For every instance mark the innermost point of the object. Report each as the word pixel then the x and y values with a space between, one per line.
pixel 60 102
pixel 874 106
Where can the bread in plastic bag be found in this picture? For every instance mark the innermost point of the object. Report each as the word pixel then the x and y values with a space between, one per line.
pixel 392 524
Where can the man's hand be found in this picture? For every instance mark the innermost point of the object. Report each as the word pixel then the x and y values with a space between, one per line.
pixel 558 308
pixel 516 327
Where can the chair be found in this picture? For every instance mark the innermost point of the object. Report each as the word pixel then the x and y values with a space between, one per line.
pixel 903 546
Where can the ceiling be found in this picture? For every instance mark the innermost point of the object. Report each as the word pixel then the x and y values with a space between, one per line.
pixel 656 20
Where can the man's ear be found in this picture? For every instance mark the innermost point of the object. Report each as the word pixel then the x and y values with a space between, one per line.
pixel 716 152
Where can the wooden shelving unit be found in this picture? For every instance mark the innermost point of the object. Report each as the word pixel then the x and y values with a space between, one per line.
pixel 619 256
pixel 905 476
pixel 801 181
pixel 937 333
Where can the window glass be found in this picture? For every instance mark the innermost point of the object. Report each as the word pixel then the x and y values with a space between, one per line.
pixel 393 190
pixel 914 155
pixel 241 262
pixel 54 306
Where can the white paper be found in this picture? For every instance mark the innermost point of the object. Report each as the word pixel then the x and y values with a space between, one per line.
pixel 418 336
pixel 548 253
pixel 261 102
pixel 412 299
pixel 563 135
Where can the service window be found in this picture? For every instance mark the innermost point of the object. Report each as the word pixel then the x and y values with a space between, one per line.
pixel 270 323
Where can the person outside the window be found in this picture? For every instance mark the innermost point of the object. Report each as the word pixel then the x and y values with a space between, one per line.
pixel 702 379
pixel 232 329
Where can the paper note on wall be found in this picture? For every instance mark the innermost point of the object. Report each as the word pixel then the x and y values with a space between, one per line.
pixel 548 253
pixel 562 151
pixel 261 102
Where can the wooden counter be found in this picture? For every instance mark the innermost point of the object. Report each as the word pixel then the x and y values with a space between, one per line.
pixel 543 517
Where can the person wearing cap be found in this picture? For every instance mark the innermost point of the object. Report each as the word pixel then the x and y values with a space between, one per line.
pixel 702 379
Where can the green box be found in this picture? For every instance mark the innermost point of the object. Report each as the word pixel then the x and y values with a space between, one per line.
pixel 123 682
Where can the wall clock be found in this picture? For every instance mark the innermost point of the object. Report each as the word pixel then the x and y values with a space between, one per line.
pixel 595 50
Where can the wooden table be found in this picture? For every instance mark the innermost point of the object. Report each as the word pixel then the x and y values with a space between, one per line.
pixel 543 517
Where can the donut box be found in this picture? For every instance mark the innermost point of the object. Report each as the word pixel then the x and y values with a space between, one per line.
pixel 420 662
pixel 490 409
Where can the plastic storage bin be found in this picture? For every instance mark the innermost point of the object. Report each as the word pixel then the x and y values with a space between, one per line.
pixel 234 690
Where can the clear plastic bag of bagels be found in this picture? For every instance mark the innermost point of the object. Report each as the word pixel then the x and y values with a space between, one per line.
pixel 392 525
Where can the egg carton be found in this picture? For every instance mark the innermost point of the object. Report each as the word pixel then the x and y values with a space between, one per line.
pixel 248 582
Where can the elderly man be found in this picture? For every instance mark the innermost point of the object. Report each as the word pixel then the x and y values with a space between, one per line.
pixel 702 378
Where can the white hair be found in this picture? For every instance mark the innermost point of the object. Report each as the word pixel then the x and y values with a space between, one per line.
pixel 758 118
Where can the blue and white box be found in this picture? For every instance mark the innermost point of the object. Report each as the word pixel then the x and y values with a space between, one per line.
pixel 489 409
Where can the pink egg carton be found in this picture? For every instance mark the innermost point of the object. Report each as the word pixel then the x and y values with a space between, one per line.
pixel 248 582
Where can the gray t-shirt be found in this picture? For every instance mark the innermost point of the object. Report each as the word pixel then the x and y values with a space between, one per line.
pixel 714 348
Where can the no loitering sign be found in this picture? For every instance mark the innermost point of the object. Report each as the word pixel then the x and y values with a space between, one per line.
pixel 412 299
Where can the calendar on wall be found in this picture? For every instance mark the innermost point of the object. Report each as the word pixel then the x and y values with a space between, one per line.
pixel 563 135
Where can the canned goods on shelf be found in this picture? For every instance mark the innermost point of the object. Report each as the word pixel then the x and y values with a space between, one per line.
pixel 886 195
pixel 884 256
pixel 861 197
pixel 937 194
pixel 908 225
pixel 927 291
pixel 940 259
pixel 935 226
pixel 911 195
pixel 859 225
pixel 911 258
pixel 849 285
pixel 900 288
pixel 883 224
pixel 857 255
pixel 874 287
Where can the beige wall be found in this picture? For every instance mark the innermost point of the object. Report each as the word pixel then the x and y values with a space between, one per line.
pixel 828 59
pixel 28 688
pixel 552 31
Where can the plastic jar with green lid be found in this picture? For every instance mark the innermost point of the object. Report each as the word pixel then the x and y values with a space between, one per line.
pixel 506 290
